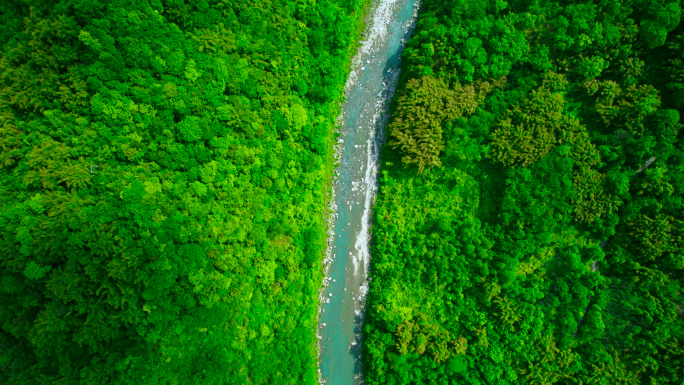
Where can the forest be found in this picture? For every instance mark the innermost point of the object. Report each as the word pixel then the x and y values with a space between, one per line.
pixel 529 225
pixel 166 167
pixel 165 170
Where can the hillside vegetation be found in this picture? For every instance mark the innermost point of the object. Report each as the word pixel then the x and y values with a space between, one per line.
pixel 164 175
pixel 524 135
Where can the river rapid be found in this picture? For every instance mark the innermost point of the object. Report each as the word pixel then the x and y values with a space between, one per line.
pixel 368 91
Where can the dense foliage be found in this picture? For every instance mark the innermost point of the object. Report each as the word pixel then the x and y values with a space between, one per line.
pixel 536 235
pixel 164 175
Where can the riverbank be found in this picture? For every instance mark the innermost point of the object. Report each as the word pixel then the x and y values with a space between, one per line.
pixel 333 164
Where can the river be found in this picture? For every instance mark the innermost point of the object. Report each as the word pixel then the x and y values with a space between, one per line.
pixel 368 91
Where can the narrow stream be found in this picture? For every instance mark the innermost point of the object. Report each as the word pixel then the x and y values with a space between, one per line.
pixel 369 89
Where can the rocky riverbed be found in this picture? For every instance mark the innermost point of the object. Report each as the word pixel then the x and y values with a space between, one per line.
pixel 368 91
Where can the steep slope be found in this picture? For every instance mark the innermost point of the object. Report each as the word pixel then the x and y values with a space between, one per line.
pixel 165 170
pixel 514 145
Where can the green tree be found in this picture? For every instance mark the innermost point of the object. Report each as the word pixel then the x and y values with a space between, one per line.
pixel 428 102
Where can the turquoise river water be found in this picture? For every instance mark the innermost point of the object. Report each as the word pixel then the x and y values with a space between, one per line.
pixel 369 88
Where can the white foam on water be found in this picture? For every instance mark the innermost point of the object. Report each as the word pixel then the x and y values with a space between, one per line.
pixel 362 239
pixel 364 289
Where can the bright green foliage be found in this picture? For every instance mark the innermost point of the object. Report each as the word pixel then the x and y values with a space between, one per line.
pixel 164 174
pixel 541 123
pixel 528 132
pixel 428 102
pixel 497 251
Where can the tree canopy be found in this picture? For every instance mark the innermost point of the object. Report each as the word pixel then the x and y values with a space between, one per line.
pixel 165 170
pixel 541 240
